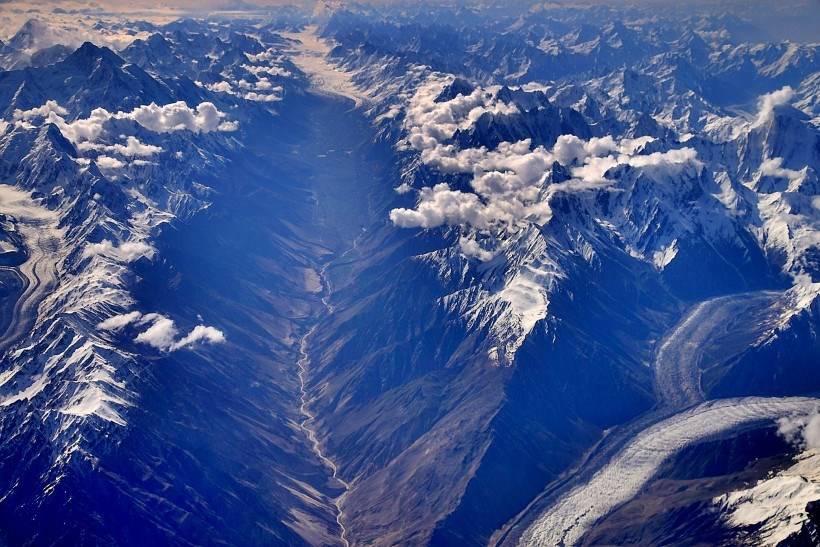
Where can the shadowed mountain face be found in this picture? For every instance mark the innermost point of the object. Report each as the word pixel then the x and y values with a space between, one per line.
pixel 389 276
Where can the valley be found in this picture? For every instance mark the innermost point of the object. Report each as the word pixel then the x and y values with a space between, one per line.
pixel 409 274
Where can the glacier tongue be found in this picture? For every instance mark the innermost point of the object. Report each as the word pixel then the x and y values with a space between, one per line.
pixel 567 521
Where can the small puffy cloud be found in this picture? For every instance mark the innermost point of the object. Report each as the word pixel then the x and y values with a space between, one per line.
pixel 269 70
pixel 569 149
pixel 472 249
pixel 403 188
pixel 40 111
pixel 261 97
pixel 128 251
pixel 118 322
pixel 85 129
pixel 263 84
pixel 773 167
pixel 221 87
pixel 107 162
pixel 802 431
pixel 271 54
pixel 132 148
pixel 272 93
pixel 768 102
pixel 200 333
pixel 160 334
pixel 227 127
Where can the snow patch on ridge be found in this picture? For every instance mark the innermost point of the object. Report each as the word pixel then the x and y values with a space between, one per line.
pixel 776 506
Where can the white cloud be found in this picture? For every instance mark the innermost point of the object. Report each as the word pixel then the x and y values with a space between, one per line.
pixel 221 87
pixel 403 188
pixel 160 335
pixel 262 97
pixel 441 205
pixel 269 70
pixel 117 322
pixel 128 251
pixel 40 111
pixel 509 182
pixel 200 333
pixel 107 162
pixel 271 54
pixel 162 332
pixel 429 123
pixel 471 249
pixel 811 433
pixel 773 167
pixel 768 102
pixel 802 431
pixel 177 116
pixel 264 83
pixel 132 148
pixel 227 127
pixel 85 129
pixel 273 93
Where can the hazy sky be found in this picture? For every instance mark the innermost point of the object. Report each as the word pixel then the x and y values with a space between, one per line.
pixel 795 19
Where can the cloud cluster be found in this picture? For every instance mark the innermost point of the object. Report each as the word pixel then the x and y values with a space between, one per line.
pixel 508 182
pixel 267 62
pixel 429 123
pixel 86 132
pixel 177 116
pixel 45 110
pixel 256 70
pixel 63 25
pixel 262 66
pixel 160 332
pixel 250 91
pixel 132 148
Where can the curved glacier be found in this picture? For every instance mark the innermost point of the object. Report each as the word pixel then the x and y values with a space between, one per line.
pixel 567 521
pixel 677 374
pixel 38 228
pixel 628 459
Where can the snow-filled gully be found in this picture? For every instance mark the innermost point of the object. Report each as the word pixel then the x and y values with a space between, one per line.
pixel 627 462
